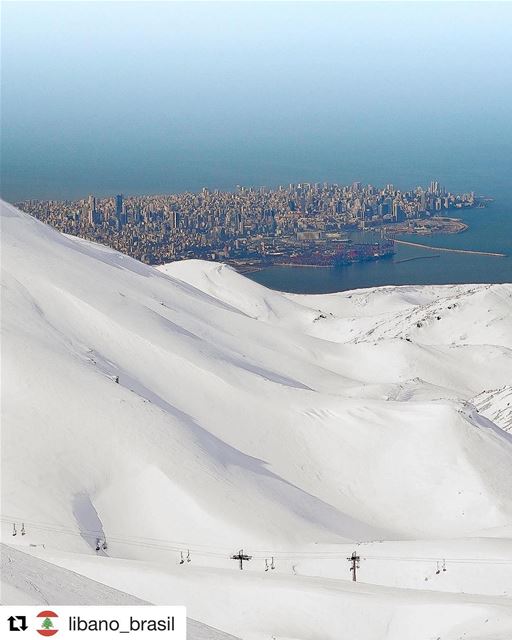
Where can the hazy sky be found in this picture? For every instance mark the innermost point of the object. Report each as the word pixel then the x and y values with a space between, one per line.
pixel 145 97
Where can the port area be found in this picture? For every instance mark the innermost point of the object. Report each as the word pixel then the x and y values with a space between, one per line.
pixel 329 250
pixel 318 254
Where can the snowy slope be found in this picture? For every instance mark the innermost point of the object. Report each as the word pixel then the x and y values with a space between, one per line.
pixel 289 426
pixel 31 581
pixel 256 605
pixel 496 405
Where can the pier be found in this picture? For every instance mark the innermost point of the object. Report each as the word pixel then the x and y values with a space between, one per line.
pixel 416 258
pixel 470 251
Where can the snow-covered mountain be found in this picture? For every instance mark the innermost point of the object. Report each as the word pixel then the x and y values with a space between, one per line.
pixel 186 410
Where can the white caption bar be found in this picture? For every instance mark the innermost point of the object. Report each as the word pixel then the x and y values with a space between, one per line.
pixel 138 622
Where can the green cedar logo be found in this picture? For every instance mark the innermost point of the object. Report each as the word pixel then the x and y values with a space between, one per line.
pixel 47 624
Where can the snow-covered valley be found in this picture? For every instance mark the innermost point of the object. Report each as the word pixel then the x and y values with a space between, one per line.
pixel 185 413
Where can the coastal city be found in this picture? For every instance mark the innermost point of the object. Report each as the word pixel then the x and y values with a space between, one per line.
pixel 251 227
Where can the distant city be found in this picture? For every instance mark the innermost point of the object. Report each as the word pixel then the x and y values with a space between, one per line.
pixel 253 227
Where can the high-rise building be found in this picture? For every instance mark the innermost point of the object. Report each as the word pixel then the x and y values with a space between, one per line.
pixel 384 209
pixel 434 187
pixel 119 205
pixel 121 217
pixel 398 212
pixel 92 213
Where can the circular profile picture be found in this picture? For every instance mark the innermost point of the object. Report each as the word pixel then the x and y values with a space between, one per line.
pixel 47 622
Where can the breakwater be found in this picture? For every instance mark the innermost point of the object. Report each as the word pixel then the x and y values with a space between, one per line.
pixel 448 250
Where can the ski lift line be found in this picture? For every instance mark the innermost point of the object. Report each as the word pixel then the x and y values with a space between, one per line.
pixel 504 561
pixel 97 532
pixel 164 547
pixel 168 546
pixel 294 555
pixel 177 545
pixel 91 533
pixel 124 541
pixel 494 561
pixel 182 544
pixel 84 534
pixel 206 549
pixel 438 557
pixel 282 555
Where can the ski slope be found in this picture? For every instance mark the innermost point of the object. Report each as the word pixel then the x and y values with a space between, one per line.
pixel 187 411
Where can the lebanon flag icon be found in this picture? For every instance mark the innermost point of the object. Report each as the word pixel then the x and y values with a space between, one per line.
pixel 48 621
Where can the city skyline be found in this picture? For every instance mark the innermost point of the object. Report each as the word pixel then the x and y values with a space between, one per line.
pixel 301 223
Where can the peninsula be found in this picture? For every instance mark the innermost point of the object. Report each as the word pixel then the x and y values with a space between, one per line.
pixel 251 227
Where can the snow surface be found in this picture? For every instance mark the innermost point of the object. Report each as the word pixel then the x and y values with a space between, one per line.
pixel 30 581
pixel 496 404
pixel 296 427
